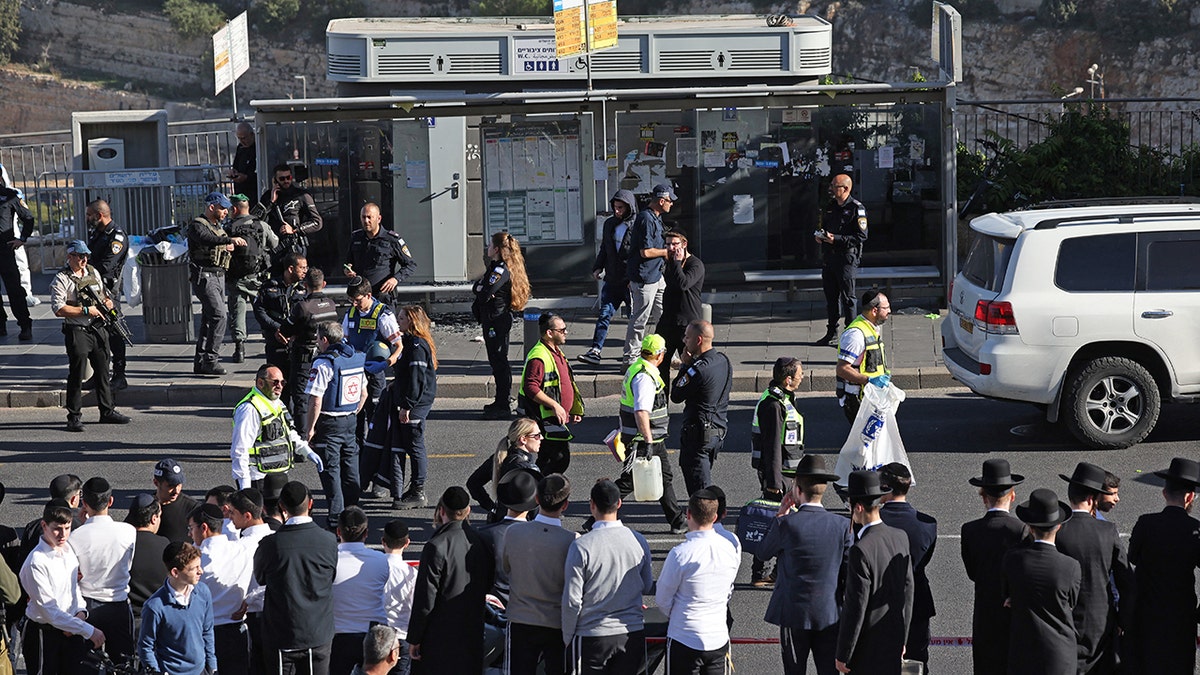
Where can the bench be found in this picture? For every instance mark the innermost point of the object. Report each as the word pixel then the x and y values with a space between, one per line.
pixel 793 277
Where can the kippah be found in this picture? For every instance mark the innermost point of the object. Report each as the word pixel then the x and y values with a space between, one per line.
pixel 396 529
pixel 456 498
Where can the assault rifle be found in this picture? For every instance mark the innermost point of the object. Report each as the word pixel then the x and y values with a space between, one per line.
pixel 114 322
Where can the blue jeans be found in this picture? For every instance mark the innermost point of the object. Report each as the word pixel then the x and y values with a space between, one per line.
pixel 411 443
pixel 612 296
pixel 334 441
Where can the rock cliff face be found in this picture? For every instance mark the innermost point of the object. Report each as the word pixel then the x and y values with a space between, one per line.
pixel 1011 56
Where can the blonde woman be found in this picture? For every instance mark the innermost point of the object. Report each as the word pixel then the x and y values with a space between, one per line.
pixel 517 450
pixel 502 290
pixel 413 392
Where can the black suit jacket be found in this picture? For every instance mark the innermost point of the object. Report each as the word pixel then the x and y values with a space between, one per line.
pixel 1165 551
pixel 984 543
pixel 921 529
pixel 811 546
pixel 1042 585
pixel 1096 546
pixel 447 611
pixel 297 564
pixel 879 600
pixel 492 535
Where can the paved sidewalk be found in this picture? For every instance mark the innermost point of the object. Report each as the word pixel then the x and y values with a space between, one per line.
pixel 752 328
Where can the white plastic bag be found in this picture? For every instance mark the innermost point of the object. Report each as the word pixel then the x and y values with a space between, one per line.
pixel 874 438
pixel 131 282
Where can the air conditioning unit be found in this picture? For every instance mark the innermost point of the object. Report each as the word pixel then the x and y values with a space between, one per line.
pixel 508 54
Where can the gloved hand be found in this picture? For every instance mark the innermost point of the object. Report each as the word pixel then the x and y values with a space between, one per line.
pixel 881 381
pixel 373 367
pixel 316 459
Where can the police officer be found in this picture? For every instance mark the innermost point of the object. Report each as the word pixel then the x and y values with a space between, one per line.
pixel 210 250
pixel 12 208
pixel 247 268
pixel 861 358
pixel 110 248
pixel 290 210
pixel 301 330
pixel 335 396
pixel 86 342
pixel 843 234
pixel 776 440
pixel 273 309
pixel 368 322
pixel 702 385
pixel 264 439
pixel 644 421
pixel 379 255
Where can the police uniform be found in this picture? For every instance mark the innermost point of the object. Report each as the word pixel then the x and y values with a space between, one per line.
pixel 638 447
pixel 380 258
pixel 337 379
pixel 493 309
pixel 12 208
pixel 363 329
pixel 703 387
pixel 776 445
pixel 273 309
pixel 848 225
pixel 293 206
pixel 869 359
pixel 110 248
pixel 86 342
pixel 301 327
pixel 209 259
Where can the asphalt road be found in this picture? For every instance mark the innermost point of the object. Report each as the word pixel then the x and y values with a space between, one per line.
pixel 947 434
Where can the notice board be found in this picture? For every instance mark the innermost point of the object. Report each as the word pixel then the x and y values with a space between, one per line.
pixel 532 179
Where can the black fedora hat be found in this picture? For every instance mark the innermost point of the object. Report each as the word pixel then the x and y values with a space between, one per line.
pixel 517 490
pixel 813 467
pixel 865 485
pixel 1088 475
pixel 996 473
pixel 1043 509
pixel 1183 470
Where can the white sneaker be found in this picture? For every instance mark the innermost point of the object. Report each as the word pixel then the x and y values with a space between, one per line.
pixel 591 356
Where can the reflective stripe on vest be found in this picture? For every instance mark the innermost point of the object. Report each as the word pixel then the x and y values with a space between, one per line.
pixel 552 387
pixel 364 328
pixel 873 361
pixel 272 449
pixel 791 434
pixel 658 414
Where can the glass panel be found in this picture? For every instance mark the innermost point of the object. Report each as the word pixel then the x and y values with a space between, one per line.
pixel 1100 263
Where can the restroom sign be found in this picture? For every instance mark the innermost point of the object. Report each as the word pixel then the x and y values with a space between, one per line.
pixel 536 55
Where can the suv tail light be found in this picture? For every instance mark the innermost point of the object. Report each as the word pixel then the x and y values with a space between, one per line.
pixel 995 317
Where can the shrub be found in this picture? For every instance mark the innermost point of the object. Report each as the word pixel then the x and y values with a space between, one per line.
pixel 10 28
pixel 192 18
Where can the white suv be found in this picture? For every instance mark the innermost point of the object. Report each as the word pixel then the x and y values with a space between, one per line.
pixel 1092 312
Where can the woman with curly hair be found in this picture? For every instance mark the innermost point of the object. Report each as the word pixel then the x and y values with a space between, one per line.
pixel 502 290
pixel 413 392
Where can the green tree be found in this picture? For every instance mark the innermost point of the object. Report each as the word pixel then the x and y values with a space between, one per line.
pixel 274 15
pixel 192 18
pixel 512 7
pixel 10 28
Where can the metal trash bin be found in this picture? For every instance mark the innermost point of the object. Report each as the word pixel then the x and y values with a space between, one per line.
pixel 166 298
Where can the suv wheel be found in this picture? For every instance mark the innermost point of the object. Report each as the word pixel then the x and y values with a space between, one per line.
pixel 1114 403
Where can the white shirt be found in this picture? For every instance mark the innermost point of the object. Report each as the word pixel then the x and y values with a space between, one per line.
pixel 643 391
pixel 230 530
pixel 251 536
pixel 105 551
pixel 247 424
pixel 398 592
pixel 358 588
pixel 319 379
pixel 864 528
pixel 737 544
pixel 183 597
pixel 850 349
pixel 694 588
pixel 298 520
pixel 50 576
pixel 229 575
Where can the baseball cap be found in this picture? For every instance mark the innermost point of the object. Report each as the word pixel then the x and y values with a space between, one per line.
pixel 663 190
pixel 654 344
pixel 169 470
pixel 218 199
pixel 79 247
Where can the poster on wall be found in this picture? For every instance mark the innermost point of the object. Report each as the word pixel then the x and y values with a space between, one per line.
pixel 532 179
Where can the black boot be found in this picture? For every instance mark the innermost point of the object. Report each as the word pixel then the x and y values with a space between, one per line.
pixel 118 381
pixel 239 352
pixel 414 498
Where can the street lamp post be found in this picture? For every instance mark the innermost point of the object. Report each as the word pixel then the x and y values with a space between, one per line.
pixel 303 85
pixel 1075 92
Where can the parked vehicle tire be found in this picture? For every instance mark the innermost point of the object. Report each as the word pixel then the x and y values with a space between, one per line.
pixel 1113 403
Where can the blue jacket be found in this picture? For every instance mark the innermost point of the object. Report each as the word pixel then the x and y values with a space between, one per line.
pixel 415 385
pixel 647 232
pixel 176 639
pixel 812 545
pixel 346 363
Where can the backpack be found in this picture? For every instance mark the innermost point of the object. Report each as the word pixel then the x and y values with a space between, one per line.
pixel 250 259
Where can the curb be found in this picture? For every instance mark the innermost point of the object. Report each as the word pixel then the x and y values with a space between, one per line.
pixel 227 393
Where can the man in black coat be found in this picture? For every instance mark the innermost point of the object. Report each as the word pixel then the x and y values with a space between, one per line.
pixel 445 630
pixel 1165 550
pixel 984 543
pixel 1041 587
pixel 297 564
pixel 1096 545
pixel 879 587
pixel 681 300
pixel 921 529
pixel 811 545
pixel 517 493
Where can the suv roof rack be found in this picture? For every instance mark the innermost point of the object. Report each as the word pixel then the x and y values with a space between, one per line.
pixel 1113 201
pixel 1121 218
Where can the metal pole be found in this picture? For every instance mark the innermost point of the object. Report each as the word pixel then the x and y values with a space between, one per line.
pixel 233 80
pixel 587 43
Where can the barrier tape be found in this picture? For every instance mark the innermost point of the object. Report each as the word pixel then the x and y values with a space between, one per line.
pixel 935 641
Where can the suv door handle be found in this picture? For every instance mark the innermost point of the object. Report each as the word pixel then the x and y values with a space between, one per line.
pixel 1157 314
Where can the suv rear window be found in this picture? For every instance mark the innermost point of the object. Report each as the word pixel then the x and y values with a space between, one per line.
pixel 1172 266
pixel 987 261
pixel 1100 263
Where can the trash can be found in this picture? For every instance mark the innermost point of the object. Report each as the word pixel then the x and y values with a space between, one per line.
pixel 166 298
pixel 532 334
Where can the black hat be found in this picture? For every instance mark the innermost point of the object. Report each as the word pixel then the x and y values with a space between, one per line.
pixel 396 530
pixel 1182 470
pixel 273 486
pixel 865 485
pixel 169 470
pixel 720 496
pixel 1043 509
pixel 996 474
pixel 2 493
pixel 606 495
pixel 141 500
pixel 813 466
pixel 455 498
pixel 1088 475
pixel 517 490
